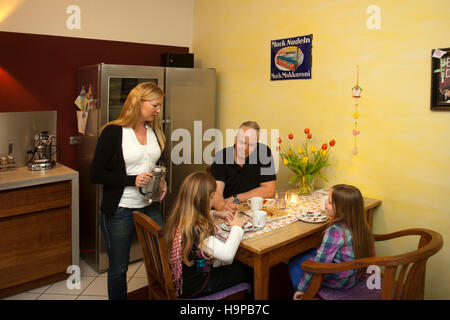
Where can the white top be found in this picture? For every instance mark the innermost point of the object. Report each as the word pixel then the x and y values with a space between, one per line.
pixel 224 252
pixel 138 159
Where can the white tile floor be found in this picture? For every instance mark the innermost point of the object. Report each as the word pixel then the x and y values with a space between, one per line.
pixel 93 285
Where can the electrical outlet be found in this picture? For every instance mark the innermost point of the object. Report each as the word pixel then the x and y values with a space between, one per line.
pixel 75 140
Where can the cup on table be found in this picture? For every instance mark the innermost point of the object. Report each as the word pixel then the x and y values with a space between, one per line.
pixel 323 202
pixel 255 203
pixel 259 218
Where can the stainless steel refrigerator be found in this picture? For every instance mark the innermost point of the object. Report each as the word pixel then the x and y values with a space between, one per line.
pixel 190 96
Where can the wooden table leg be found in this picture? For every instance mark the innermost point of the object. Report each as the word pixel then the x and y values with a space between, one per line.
pixel 261 277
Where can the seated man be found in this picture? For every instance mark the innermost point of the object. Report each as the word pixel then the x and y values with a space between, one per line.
pixel 244 170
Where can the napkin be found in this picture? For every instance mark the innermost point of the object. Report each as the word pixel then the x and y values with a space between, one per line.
pixel 438 53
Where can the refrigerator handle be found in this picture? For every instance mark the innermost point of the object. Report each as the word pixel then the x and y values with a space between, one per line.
pixel 168 122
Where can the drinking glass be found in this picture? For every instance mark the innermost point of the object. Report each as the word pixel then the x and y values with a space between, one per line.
pixel 280 199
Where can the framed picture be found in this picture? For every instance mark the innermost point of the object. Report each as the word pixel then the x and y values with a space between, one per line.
pixel 440 79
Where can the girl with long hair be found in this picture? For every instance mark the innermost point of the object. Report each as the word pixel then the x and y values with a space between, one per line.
pixel 348 237
pixel 127 149
pixel 201 264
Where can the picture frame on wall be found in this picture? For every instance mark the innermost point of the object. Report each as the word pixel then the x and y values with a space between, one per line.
pixel 440 79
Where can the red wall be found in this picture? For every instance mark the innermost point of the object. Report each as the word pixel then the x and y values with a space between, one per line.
pixel 39 72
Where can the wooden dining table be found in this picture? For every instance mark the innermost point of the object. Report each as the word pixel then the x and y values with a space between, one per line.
pixel 263 251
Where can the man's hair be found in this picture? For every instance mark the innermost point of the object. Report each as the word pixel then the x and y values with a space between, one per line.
pixel 251 124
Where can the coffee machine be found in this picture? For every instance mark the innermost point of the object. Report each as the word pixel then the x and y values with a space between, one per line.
pixel 43 154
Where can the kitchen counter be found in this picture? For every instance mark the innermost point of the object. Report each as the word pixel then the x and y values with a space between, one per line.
pixel 22 177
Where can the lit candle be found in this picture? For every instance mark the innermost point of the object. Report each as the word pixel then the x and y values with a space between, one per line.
pixel 291 199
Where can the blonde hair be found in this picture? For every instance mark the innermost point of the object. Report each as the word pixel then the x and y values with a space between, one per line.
pixel 130 112
pixel 192 212
pixel 348 204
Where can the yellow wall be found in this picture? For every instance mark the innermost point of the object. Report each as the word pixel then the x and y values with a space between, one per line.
pixel 167 22
pixel 404 147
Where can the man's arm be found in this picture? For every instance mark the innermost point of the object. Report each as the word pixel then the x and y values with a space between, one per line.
pixel 265 190
pixel 219 202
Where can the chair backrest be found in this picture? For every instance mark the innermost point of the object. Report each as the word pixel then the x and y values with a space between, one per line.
pixel 156 259
pixel 404 275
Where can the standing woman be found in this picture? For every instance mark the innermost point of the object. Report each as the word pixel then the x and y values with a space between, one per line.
pixel 127 149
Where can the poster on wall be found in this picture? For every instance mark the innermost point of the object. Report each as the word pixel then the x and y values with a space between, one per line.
pixel 291 58
pixel 440 79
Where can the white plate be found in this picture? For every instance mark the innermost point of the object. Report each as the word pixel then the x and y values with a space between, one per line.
pixel 249 227
pixel 312 217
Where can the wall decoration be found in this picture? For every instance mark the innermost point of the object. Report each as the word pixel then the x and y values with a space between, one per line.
pixel 291 58
pixel 356 94
pixel 440 79
pixel 356 91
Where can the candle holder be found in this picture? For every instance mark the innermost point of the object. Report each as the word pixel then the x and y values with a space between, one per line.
pixel 292 199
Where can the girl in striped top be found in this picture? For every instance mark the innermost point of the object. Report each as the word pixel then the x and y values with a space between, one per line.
pixel 347 238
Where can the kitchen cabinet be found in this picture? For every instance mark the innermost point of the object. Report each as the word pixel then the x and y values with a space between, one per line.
pixel 37 228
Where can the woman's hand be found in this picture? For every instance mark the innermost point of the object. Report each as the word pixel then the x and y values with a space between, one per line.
pixel 298 295
pixel 143 179
pixel 238 220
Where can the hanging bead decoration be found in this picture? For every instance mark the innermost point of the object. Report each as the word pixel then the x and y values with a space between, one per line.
pixel 356 94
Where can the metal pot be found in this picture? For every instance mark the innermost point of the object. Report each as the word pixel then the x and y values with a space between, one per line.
pixel 153 190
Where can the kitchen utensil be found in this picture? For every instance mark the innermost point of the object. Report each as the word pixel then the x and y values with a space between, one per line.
pixel 153 190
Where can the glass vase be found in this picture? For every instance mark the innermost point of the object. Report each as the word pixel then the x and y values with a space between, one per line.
pixel 305 187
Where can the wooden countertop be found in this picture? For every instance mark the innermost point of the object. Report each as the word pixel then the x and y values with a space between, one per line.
pixel 22 177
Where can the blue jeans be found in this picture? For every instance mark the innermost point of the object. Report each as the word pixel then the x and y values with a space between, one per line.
pixel 294 266
pixel 117 231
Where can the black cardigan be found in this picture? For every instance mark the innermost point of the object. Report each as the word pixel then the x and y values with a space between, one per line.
pixel 108 168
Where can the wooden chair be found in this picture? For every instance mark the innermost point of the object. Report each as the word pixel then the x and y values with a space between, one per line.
pixel 156 260
pixel 403 277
